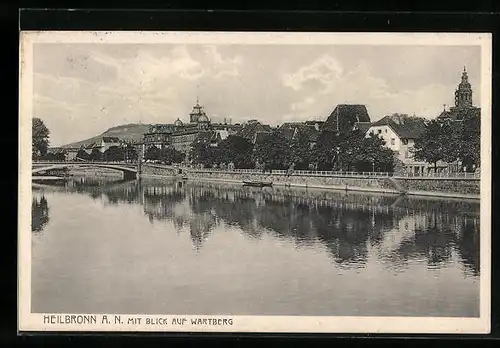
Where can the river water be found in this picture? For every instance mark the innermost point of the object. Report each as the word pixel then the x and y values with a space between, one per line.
pixel 167 247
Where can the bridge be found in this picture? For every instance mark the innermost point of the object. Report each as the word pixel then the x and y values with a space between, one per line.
pixel 128 169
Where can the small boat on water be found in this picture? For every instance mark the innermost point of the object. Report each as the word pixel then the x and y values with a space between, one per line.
pixel 257 183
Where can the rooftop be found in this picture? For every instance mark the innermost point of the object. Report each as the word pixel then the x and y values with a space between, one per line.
pixel 347 115
pixel 406 127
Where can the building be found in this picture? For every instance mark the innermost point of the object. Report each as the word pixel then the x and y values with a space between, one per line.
pixel 399 131
pixel 316 124
pixel 253 129
pixel 71 153
pixel 181 136
pixel 463 102
pixel 159 135
pixel 292 130
pixel 345 116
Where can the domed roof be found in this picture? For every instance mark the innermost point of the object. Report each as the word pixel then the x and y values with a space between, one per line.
pixel 203 118
pixel 178 123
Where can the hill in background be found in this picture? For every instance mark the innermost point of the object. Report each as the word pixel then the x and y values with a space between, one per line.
pixel 128 132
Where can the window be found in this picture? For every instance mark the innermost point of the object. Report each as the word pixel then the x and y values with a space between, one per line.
pixel 379 131
pixel 405 141
pixel 407 154
pixel 385 130
pixel 393 141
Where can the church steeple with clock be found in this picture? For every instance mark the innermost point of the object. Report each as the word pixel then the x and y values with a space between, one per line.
pixel 463 102
pixel 463 94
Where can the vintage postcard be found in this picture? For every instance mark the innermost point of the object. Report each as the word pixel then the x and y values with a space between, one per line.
pixel 255 182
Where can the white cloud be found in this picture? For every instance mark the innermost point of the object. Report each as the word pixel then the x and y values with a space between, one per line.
pixel 336 85
pixel 324 70
pixel 83 90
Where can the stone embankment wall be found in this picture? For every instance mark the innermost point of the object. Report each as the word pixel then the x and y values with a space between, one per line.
pixel 98 172
pixel 444 187
pixel 153 170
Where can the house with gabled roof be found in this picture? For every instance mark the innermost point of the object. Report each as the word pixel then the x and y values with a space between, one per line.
pixel 250 130
pixel 344 116
pixel 399 131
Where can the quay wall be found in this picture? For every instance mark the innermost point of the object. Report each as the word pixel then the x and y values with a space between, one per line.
pixel 98 172
pixel 443 187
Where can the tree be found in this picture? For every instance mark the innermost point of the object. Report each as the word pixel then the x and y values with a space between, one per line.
pixel 301 151
pixel 114 153
pixel 372 155
pixel 435 143
pixel 40 138
pixel 326 149
pixel 60 156
pixel 130 153
pixel 170 155
pixel 152 153
pixel 202 152
pixel 469 145
pixel 237 150
pixel 82 154
pixel 352 151
pixel 274 151
pixel 96 155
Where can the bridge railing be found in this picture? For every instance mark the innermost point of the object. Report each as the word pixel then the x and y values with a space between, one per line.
pixel 86 162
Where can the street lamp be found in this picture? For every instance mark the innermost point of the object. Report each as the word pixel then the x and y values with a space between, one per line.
pixel 338 158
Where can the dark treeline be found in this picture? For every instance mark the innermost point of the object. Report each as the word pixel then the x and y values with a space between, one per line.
pixel 112 154
pixel 450 141
pixel 351 151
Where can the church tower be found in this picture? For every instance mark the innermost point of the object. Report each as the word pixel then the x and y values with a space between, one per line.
pixel 463 94
pixel 196 113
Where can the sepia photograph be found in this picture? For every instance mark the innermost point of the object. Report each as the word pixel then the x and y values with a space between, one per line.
pixel 255 182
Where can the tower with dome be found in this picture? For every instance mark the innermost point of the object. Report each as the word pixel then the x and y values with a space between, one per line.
pixel 463 102
pixel 181 135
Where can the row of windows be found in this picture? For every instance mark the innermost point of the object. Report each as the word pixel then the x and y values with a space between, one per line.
pixel 183 138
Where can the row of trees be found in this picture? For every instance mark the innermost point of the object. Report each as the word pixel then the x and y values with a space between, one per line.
pixel 347 152
pixel 50 156
pixel 451 141
pixel 112 154
pixel 166 155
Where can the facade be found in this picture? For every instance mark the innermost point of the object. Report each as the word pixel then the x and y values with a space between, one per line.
pixel 159 135
pixel 71 153
pixel 399 131
pixel 181 136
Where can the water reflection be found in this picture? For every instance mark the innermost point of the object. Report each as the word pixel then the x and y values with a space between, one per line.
pixel 39 213
pixel 351 227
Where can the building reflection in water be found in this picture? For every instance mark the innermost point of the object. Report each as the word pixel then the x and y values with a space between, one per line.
pixel 399 230
pixel 351 227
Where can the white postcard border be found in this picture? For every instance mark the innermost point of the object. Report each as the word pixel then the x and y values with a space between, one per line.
pixel 28 321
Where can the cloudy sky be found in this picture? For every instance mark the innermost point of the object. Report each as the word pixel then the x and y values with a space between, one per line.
pixel 80 90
